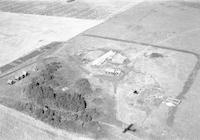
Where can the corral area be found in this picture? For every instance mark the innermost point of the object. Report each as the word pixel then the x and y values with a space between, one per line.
pixel 145 85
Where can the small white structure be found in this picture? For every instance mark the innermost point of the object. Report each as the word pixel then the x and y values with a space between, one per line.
pixel 172 102
pixel 25 73
pixel 118 59
pixel 21 76
pixel 10 82
pixel 112 71
pixel 65 88
pixel 17 78
pixel 103 58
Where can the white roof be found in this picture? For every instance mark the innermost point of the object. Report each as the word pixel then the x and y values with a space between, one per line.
pixel 118 58
pixel 103 58
pixel 170 104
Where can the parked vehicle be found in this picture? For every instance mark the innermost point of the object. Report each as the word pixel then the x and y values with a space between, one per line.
pixel 10 82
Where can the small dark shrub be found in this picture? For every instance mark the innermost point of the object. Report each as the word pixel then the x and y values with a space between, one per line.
pixel 86 117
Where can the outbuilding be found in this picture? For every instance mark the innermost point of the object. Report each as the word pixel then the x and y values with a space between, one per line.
pixel 113 71
pixel 10 82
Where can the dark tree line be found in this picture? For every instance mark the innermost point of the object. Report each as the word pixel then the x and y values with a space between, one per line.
pixel 47 104
pixel 54 117
pixel 71 101
pixel 46 95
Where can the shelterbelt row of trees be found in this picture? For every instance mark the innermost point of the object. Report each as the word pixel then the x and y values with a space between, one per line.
pixel 64 109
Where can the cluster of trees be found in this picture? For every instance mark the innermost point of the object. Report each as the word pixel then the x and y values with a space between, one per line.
pixel 51 103
pixel 48 115
pixel 35 90
pixel 39 90
pixel 71 101
pixel 47 75
pixel 42 113
pixel 45 95
pixel 54 117
pixel 53 67
pixel 83 87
